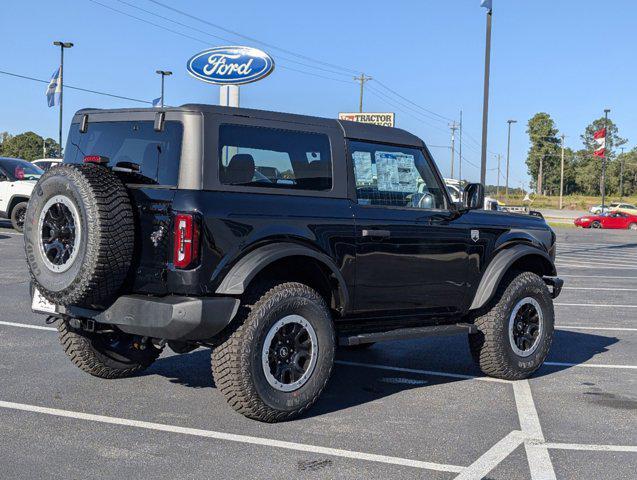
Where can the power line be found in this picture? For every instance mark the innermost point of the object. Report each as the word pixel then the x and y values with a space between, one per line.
pixel 77 88
pixel 252 39
pixel 441 117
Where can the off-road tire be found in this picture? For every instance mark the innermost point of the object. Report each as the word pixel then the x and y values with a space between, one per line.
pixel 490 346
pixel 90 352
pixel 107 235
pixel 236 361
pixel 17 216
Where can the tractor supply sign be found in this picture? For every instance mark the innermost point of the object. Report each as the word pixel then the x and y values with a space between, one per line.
pixel 384 119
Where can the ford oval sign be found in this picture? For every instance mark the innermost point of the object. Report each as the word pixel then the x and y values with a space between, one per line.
pixel 230 65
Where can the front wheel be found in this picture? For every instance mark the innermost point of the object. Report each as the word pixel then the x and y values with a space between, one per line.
pixel 276 362
pixel 632 226
pixel 17 216
pixel 515 335
pixel 596 224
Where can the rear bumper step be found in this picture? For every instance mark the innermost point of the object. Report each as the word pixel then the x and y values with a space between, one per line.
pixel 406 333
pixel 171 318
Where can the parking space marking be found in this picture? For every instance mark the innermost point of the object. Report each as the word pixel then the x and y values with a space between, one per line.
pixel 2 232
pixel 577 327
pixel 593 305
pixel 421 372
pixel 26 325
pixel 600 276
pixel 591 365
pixel 597 266
pixel 492 457
pixel 537 454
pixel 602 289
pixel 231 437
pixel 592 448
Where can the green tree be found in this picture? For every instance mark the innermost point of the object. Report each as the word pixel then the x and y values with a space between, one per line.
pixel 594 166
pixel 28 146
pixel 544 154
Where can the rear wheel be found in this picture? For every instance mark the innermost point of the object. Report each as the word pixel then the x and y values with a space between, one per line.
pixel 515 335
pixel 17 216
pixel 112 354
pixel 278 358
pixel 632 226
pixel 596 224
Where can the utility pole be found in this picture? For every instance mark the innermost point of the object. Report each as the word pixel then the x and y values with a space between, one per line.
pixel 621 176
pixel 453 126
pixel 460 150
pixel 562 173
pixel 506 188
pixel 603 186
pixel 62 46
pixel 163 73
pixel 539 177
pixel 485 100
pixel 362 79
pixel 497 190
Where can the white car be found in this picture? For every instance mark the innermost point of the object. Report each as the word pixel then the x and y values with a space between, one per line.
pixel 17 179
pixel 46 163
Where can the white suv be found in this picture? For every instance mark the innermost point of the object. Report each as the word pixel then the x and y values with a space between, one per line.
pixel 17 179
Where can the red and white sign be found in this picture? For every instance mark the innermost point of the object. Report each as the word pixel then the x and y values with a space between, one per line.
pixel 600 140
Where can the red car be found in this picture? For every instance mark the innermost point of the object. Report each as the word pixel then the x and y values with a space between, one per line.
pixel 609 220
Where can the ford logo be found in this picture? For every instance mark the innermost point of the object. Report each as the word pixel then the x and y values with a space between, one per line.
pixel 230 65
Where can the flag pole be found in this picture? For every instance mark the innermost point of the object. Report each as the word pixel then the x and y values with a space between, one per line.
pixel 62 46
pixel 604 158
pixel 485 101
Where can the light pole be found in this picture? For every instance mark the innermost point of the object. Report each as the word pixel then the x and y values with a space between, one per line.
pixel 621 176
pixel 562 173
pixel 485 100
pixel 163 73
pixel 606 111
pixel 506 188
pixel 62 46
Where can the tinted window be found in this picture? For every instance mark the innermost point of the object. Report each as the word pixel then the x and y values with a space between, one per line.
pixel 394 176
pixel 152 156
pixel 272 158
pixel 16 169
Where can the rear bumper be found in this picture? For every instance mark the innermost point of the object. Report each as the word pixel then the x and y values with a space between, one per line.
pixel 171 318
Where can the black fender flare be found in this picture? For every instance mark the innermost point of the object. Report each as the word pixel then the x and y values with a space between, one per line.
pixel 499 266
pixel 241 274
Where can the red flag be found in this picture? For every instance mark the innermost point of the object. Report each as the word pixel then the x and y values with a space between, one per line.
pixel 600 140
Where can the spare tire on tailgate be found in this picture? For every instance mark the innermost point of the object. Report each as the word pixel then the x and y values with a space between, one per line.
pixel 79 235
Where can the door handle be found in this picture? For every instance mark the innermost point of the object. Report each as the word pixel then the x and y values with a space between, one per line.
pixel 376 233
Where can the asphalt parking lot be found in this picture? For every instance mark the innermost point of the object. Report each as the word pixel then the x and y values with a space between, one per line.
pixel 416 409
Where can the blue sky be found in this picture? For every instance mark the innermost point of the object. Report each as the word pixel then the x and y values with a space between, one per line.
pixel 570 58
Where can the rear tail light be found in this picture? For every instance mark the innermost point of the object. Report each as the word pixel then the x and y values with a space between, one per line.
pixel 186 241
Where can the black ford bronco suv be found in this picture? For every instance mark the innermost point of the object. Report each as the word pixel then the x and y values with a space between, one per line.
pixel 272 239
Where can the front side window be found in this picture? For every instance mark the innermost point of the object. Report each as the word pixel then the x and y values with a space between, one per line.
pixel 15 169
pixel 392 176
pixel 152 157
pixel 273 158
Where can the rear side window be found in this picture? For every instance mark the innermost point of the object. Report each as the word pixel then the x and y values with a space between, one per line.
pixel 152 156
pixel 273 158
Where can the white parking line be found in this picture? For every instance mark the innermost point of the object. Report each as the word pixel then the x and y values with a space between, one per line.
pixel 602 289
pixel 492 457
pixel 537 455
pixel 571 265
pixel 2 232
pixel 593 305
pixel 421 372
pixel 231 437
pixel 592 448
pixel 599 276
pixel 591 365
pixel 577 327
pixel 26 325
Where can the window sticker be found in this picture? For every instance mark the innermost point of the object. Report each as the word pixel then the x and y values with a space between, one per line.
pixel 397 172
pixel 363 168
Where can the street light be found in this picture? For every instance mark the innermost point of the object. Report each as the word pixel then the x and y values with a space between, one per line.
pixel 62 46
pixel 506 190
pixel 163 73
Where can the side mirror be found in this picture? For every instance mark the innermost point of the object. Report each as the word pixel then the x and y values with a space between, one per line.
pixel 474 196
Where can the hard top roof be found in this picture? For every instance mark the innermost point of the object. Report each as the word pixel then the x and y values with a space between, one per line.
pixel 353 130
